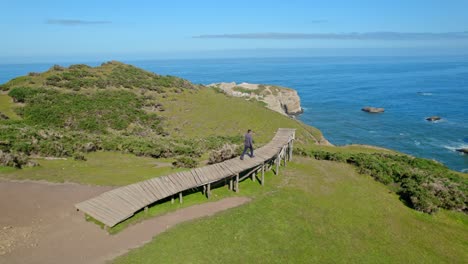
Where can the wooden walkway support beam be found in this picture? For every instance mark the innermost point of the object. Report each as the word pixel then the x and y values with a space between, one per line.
pixel 263 174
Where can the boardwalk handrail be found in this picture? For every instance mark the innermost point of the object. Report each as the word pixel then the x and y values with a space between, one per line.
pixel 116 205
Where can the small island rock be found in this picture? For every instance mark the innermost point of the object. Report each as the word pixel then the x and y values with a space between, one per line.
pixel 369 109
pixel 463 150
pixel 433 118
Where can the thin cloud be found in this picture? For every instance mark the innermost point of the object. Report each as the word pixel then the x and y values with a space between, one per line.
pixel 345 36
pixel 75 22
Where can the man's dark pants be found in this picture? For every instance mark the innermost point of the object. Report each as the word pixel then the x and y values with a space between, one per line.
pixel 245 150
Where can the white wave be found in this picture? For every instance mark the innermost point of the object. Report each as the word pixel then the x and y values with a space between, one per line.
pixel 425 94
pixel 455 147
pixel 417 143
pixel 464 170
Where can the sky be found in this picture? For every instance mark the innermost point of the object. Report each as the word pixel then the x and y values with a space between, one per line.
pixel 41 30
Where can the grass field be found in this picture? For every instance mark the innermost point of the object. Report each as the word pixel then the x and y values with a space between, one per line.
pixel 196 114
pixel 317 212
pixel 6 106
pixel 100 168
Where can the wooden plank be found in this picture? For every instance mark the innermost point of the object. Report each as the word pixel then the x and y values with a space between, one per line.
pixel 162 188
pixel 204 174
pixel 145 185
pixel 104 215
pixel 125 200
pixel 201 175
pixel 147 196
pixel 153 189
pixel 168 183
pixel 94 212
pixel 197 177
pixel 137 191
pixel 156 189
pixel 182 180
pixel 175 182
pixel 118 203
pixel 191 180
pixel 177 177
pixel 131 197
pixel 107 206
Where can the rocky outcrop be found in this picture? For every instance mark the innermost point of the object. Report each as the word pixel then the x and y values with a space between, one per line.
pixel 433 118
pixel 463 150
pixel 370 109
pixel 283 100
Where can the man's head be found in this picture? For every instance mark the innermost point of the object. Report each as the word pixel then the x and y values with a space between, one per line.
pixel 249 131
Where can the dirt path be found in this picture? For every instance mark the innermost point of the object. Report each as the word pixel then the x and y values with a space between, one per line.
pixel 38 224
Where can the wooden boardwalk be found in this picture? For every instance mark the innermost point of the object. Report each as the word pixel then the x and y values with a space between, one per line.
pixel 115 206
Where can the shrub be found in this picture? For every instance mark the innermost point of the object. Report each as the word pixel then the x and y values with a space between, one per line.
pixel 185 162
pixel 425 185
pixel 228 151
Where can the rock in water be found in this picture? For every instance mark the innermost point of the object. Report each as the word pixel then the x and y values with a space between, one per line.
pixel 370 109
pixel 433 118
pixel 463 150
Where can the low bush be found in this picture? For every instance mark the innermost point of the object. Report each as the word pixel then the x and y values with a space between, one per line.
pixel 185 162
pixel 228 151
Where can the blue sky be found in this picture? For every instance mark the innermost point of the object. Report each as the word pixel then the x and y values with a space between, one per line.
pixel 148 29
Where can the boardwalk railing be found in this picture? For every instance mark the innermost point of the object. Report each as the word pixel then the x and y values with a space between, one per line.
pixel 115 206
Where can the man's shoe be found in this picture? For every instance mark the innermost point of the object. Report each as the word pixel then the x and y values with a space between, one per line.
pixel 241 158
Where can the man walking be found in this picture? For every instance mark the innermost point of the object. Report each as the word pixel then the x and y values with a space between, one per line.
pixel 248 144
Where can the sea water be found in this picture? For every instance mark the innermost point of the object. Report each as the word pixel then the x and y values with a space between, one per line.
pixel 334 89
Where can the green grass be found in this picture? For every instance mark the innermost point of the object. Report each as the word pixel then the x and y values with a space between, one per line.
pixel 319 212
pixel 7 107
pixel 101 168
pixel 196 114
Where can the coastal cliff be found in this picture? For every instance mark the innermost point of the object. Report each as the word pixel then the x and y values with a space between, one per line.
pixel 280 99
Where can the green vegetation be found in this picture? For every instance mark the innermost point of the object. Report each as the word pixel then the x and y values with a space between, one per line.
pixel 7 107
pixel 96 113
pixel 316 212
pixel 423 184
pixel 206 112
pixel 121 108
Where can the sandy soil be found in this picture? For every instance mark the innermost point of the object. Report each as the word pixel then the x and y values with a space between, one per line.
pixel 38 224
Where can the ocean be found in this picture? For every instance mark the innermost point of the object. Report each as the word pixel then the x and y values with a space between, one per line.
pixel 334 89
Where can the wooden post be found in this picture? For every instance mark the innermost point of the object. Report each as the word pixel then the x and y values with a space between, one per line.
pixel 277 165
pixel 181 199
pixel 263 174
pixel 172 199
pixel 285 156
pixel 204 190
pixel 253 175
pixel 208 190
pixel 230 184
pixel 146 209
pixel 290 150
pixel 237 182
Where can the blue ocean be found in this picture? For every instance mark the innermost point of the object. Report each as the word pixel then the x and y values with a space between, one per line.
pixel 334 89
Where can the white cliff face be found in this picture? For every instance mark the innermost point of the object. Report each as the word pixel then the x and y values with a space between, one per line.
pixel 283 100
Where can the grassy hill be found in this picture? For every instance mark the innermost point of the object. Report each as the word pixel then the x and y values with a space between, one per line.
pixel 116 124
pixel 314 212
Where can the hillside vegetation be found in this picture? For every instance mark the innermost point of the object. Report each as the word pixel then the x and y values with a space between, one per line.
pixel 68 112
